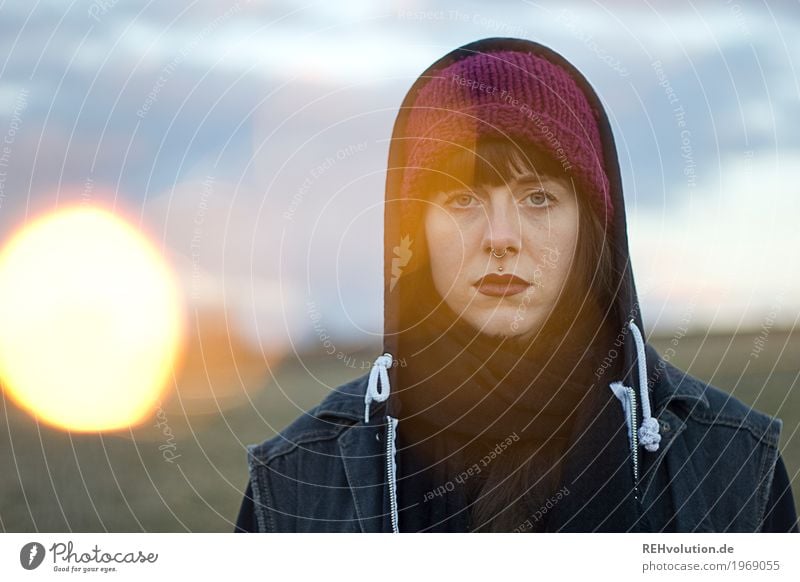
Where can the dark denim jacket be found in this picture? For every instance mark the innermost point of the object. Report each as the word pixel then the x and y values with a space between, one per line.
pixel 329 470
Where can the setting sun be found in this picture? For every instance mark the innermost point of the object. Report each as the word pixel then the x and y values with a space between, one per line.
pixel 91 320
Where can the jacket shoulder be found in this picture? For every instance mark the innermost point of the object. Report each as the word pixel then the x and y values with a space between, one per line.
pixel 339 410
pixel 710 405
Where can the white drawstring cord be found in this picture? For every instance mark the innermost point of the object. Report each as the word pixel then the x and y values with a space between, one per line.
pixel 378 371
pixel 649 436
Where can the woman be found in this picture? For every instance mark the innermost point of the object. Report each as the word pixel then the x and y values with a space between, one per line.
pixel 515 392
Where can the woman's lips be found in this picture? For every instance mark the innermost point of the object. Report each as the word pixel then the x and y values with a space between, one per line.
pixel 501 285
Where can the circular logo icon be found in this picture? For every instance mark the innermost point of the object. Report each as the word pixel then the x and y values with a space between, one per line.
pixel 31 555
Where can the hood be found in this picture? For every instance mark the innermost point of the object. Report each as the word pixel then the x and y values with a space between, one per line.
pixel 630 423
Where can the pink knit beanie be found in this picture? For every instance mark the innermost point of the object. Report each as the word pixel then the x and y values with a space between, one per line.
pixel 514 94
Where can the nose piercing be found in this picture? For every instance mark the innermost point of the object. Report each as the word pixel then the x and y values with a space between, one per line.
pixel 495 255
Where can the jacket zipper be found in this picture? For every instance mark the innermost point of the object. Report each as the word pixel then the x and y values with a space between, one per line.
pixel 391 423
pixel 635 438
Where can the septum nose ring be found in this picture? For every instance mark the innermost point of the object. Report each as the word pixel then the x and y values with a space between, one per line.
pixel 495 255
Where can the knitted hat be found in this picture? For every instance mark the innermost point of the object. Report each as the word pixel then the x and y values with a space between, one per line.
pixel 510 94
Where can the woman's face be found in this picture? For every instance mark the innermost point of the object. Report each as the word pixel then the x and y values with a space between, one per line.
pixel 535 219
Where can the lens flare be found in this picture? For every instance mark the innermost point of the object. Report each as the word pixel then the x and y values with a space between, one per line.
pixel 91 320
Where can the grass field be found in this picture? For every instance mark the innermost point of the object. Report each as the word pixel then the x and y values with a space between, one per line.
pixel 191 477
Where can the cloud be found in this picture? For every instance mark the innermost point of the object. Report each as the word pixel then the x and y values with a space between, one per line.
pixel 729 253
pixel 225 108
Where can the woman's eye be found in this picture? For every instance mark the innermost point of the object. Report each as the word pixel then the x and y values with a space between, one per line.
pixel 461 200
pixel 539 198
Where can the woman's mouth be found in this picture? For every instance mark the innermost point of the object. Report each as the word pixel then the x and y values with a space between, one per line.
pixel 501 285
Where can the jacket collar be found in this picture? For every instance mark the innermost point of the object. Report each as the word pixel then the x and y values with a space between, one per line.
pixel 669 383
pixel 347 401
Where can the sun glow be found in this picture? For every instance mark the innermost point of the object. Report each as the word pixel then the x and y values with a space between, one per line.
pixel 91 320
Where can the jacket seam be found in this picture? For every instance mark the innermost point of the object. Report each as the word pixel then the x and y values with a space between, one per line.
pixel 762 434
pixel 302 439
pixel 767 473
pixel 260 508
pixel 763 477
pixel 376 410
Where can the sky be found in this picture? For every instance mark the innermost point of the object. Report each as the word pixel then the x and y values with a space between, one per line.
pixel 249 140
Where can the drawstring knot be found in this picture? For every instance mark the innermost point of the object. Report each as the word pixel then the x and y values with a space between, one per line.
pixel 648 434
pixel 378 372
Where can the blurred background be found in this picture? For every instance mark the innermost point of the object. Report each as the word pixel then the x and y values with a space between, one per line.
pixel 245 144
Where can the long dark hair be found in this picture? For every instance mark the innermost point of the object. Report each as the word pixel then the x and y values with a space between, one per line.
pixel 522 481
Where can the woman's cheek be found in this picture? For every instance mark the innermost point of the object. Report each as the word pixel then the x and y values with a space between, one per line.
pixel 550 271
pixel 561 262
pixel 446 254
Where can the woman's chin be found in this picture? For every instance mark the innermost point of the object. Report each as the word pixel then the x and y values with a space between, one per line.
pixel 503 323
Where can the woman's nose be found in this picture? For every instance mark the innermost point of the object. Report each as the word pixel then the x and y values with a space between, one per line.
pixel 502 229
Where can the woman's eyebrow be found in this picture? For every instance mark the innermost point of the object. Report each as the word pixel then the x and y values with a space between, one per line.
pixel 481 190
